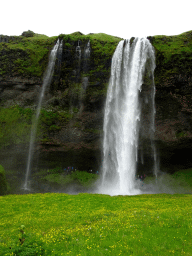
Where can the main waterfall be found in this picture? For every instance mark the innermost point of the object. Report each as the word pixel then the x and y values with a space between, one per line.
pixel 122 120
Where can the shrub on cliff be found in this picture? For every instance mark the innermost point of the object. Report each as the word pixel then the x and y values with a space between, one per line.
pixel 28 33
pixel 3 183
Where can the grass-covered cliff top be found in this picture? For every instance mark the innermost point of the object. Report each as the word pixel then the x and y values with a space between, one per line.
pixel 25 55
pixel 173 56
pixel 28 56
pixel 94 36
pixel 170 45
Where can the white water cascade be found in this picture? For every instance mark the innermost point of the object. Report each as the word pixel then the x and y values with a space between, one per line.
pixel 46 81
pixel 78 55
pixel 122 120
pixel 85 79
pixel 87 50
pixel 87 53
pixel 59 53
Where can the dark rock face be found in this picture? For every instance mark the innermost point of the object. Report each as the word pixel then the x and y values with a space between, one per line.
pixel 72 135
pixel 18 91
pixel 173 103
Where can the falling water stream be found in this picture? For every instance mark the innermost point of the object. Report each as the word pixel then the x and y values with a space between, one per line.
pixel 59 54
pixel 78 55
pixel 87 53
pixel 122 116
pixel 46 81
pixel 85 79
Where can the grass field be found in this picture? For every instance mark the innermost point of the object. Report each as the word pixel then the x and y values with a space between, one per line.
pixel 94 224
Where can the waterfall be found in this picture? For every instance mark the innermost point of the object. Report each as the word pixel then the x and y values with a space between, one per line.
pixel 123 125
pixel 87 50
pixel 60 51
pixel 78 55
pixel 78 50
pixel 87 53
pixel 46 81
pixel 77 77
pixel 85 79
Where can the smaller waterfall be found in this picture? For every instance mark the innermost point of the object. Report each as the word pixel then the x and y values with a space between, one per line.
pixel 85 79
pixel 46 81
pixel 72 96
pixel 78 54
pixel 87 53
pixel 78 57
pixel 60 52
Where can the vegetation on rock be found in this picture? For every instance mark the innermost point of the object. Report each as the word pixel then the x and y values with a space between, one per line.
pixel 14 125
pixel 28 33
pixel 25 56
pixel 173 56
pixel 3 183
pixel 73 113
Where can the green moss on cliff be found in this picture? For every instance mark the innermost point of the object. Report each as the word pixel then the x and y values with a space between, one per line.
pixel 25 56
pixel 50 118
pixel 28 57
pixel 170 45
pixel 173 56
pixel 52 121
pixel 14 125
pixel 97 36
pixel 95 131
pixel 180 134
pixel 3 183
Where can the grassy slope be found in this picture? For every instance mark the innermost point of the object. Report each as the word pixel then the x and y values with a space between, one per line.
pixel 173 56
pixel 28 56
pixel 173 44
pixel 179 180
pixel 59 176
pixel 91 224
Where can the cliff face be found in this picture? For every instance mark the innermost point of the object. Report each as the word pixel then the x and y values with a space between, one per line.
pixel 173 99
pixel 70 128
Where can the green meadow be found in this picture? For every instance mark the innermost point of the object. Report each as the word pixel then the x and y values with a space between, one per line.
pixel 94 224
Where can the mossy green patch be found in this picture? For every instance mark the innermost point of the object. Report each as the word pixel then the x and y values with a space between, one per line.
pixel 26 56
pixel 184 177
pixel 173 56
pixel 15 125
pixel 3 183
pixel 92 36
pixel 49 117
pixel 95 131
pixel 181 134
pixel 179 182
pixel 63 177
pixel 84 178
pixel 171 45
